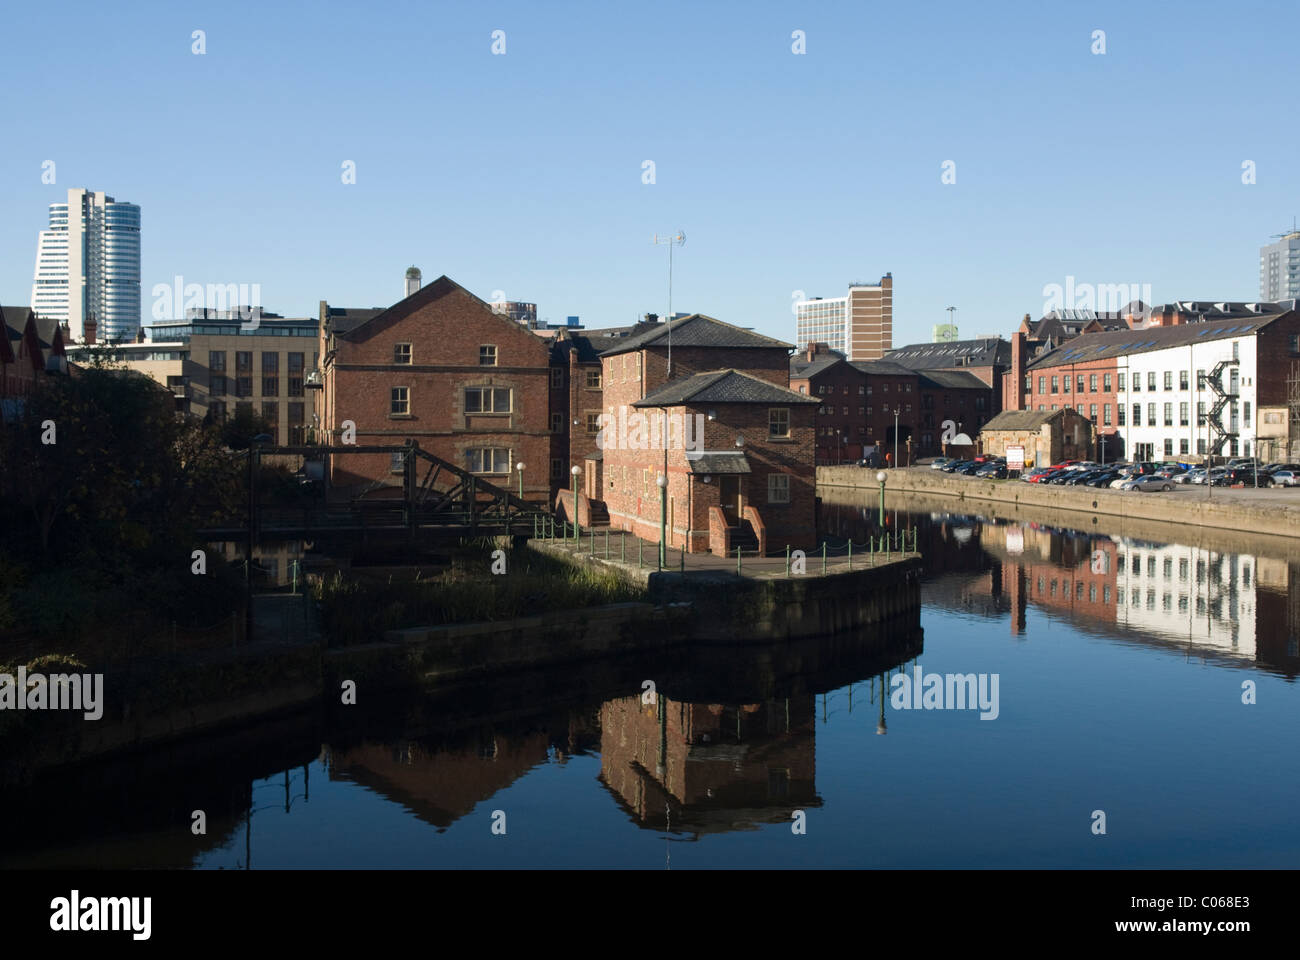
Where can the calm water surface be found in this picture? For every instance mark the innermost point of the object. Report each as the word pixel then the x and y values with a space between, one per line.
pixel 1120 665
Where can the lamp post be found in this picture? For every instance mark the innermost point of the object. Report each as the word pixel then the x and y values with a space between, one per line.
pixel 881 477
pixel 895 435
pixel 520 468
pixel 575 471
pixel 662 481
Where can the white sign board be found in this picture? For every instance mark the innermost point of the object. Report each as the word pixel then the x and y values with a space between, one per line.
pixel 1015 458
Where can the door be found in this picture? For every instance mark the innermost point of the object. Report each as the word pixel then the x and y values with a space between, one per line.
pixel 729 493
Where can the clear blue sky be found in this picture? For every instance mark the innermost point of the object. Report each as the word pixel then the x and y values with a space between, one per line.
pixel 523 172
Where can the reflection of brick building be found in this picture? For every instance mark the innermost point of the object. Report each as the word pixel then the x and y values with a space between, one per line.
pixel 708 767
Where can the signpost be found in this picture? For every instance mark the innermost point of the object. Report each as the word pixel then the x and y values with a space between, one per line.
pixel 1015 458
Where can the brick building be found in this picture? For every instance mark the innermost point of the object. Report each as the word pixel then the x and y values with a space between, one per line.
pixel 442 368
pixel 750 475
pixel 1048 437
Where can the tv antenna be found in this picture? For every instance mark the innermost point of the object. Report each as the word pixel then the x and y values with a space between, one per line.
pixel 1283 236
pixel 676 240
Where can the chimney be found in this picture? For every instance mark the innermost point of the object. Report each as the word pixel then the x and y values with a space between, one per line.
pixel 812 352
pixel 1013 397
pixel 89 329
pixel 652 318
pixel 413 277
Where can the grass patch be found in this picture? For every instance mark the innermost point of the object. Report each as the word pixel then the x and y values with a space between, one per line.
pixel 354 612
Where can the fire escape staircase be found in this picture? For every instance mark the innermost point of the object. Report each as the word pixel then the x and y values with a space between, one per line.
pixel 1219 436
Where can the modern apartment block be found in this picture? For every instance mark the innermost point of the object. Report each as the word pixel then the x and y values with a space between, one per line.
pixel 1279 268
pixel 88 266
pixel 859 324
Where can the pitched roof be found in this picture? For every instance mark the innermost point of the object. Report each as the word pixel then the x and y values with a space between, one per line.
pixel 985 351
pixel 697 330
pixel 1023 419
pixel 718 463
pixel 343 319
pixel 882 368
pixel 1103 346
pixel 590 344
pixel 408 305
pixel 802 368
pixel 951 380
pixel 720 386
pixel 7 335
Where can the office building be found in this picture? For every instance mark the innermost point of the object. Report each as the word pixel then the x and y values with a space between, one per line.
pixel 859 324
pixel 1279 268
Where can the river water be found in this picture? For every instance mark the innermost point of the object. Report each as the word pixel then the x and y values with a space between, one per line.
pixel 1143 684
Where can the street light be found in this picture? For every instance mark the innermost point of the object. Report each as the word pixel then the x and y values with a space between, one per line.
pixel 662 480
pixel 575 471
pixel 895 435
pixel 881 477
pixel 520 468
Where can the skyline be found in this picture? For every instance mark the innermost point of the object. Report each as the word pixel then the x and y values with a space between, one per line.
pixel 765 158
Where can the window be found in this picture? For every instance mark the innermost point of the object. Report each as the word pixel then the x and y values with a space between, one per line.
pixel 884 388
pixel 488 460
pixel 1119 381
pixel 1245 410
pixel 1182 379
pixel 1200 417
pixel 1105 382
pixel 778 488
pixel 861 390
pixel 557 423
pixel 1235 357
pixel 861 411
pixel 397 462
pixel 557 378
pixel 821 390
pixel 1137 382
pixel 1105 415
pixel 1137 414
pixel 295 366
pixel 1065 382
pixel 1200 446
pixel 1200 379
pixel 487 400
pixel 487 355
pixel 243 386
pixel 217 361
pixel 1079 409
pixel 845 411
pixel 1151 380
pixel 1092 412
pixel 1182 446
pixel 557 468
pixel 1169 379
pixel 1092 383
pixel 1078 383
pixel 869 409
pixel 593 423
pixel 778 422
pixel 803 389
pixel 401 353
pixel 1183 409
pixel 1119 414
pixel 218 387
pixel 593 379
pixel 400 402
pixel 297 428
pixel 1169 447
pixel 217 409
pixel 1151 414
pixel 1169 415
pixel 271 412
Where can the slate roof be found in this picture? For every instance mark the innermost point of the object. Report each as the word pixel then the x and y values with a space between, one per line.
pixel 590 344
pixel 882 368
pixel 802 368
pixel 720 386
pixel 951 380
pixel 343 319
pixel 1022 419
pixel 718 463
pixel 988 351
pixel 1102 346
pixel 697 330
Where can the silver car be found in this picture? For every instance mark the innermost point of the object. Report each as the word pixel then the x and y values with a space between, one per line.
pixel 1286 478
pixel 1148 484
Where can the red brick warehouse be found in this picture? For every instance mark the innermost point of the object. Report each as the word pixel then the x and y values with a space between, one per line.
pixel 440 367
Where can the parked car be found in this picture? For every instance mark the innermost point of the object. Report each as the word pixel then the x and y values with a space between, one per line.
pixel 1213 474
pixel 993 470
pixel 938 463
pixel 1148 483
pixel 1191 475
pixel 1030 476
pixel 1103 478
pixel 1285 478
pixel 968 468
pixel 1246 476
pixel 1079 477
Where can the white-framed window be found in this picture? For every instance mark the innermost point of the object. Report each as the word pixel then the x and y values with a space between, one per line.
pixel 401 353
pixel 778 422
pixel 557 423
pixel 487 399
pixel 593 423
pixel 488 460
pixel 778 488
pixel 400 402
pixel 557 377
pixel 593 379
pixel 396 462
pixel 487 355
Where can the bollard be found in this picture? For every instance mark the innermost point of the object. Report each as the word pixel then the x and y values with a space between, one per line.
pixel 787 560
pixel 640 551
pixel 823 556
pixel 683 549
pixel 850 553
pixel 738 552
pixel 593 542
pixel 622 547
pixel 607 543
pixel 886 546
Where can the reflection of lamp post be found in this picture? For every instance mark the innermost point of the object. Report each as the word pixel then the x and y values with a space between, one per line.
pixel 880 724
pixel 520 468
pixel 575 471
pixel 662 480
pixel 881 477
pixel 909 449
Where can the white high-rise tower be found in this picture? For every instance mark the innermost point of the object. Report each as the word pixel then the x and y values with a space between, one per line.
pixel 88 264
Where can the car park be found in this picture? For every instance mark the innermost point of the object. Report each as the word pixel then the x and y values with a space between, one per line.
pixel 1285 478
pixel 938 463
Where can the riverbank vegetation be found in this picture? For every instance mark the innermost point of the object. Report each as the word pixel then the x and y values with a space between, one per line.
pixel 359 612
